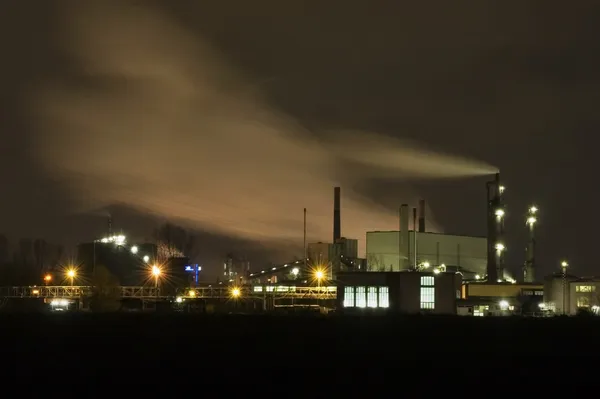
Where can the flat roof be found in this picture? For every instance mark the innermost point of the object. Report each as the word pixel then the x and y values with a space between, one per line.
pixel 427 232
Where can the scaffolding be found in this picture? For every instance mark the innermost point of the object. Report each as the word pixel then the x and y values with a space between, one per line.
pixel 149 292
pixel 259 291
pixel 69 291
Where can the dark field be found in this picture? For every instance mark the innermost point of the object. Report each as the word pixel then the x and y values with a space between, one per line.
pixel 249 347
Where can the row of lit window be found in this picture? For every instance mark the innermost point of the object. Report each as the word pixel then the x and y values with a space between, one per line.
pixel 585 288
pixel 531 293
pixel 282 288
pixel 366 297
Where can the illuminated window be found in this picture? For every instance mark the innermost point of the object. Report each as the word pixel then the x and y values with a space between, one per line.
pixel 480 310
pixel 585 288
pixel 372 297
pixel 348 297
pixel 384 297
pixel 361 297
pixel 427 298
pixel 427 292
pixel 427 281
pixel 583 302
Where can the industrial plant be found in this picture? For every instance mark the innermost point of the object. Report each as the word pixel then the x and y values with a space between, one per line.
pixel 410 270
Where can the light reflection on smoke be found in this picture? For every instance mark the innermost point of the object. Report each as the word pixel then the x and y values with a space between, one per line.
pixel 168 128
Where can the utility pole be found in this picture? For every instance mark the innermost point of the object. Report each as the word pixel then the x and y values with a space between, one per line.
pixel 305 255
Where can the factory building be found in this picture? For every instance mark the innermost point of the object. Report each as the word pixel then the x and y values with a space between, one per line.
pixel 416 249
pixel 330 257
pixel 400 292
pixel 462 253
pixel 123 262
pixel 337 254
pixel 235 270
pixel 500 299
pixel 568 294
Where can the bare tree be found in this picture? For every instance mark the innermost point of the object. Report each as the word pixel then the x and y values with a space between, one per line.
pixel 375 263
pixel 106 295
pixel 174 241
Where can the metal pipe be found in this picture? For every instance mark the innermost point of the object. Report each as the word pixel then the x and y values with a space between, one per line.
pixel 305 241
pixel 415 236
pixel 337 228
pixel 405 238
pixel 421 216
pixel 399 238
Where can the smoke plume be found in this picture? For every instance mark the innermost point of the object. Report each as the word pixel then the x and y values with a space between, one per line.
pixel 155 120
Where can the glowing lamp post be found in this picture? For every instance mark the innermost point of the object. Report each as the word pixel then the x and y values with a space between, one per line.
pixel 47 279
pixel 71 275
pixel 235 293
pixel 156 272
pixel 319 275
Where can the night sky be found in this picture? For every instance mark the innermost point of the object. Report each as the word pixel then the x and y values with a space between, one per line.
pixel 231 116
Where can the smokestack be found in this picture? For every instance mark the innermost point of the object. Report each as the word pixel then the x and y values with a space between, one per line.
pixel 495 219
pixel 110 225
pixel 404 250
pixel 337 228
pixel 529 269
pixel 421 216
pixel 415 266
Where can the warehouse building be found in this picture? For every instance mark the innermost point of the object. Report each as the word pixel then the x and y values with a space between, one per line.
pixel 501 299
pixel 402 292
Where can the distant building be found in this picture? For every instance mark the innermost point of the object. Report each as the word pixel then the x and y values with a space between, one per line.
pixel 339 256
pixel 401 292
pixel 235 270
pixel 393 251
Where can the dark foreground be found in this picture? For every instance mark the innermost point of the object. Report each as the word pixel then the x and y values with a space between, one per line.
pixel 259 347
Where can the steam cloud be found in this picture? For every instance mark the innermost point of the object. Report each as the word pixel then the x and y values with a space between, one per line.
pixel 161 124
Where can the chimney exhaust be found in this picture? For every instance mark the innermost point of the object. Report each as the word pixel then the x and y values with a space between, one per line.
pixel 337 228
pixel 421 216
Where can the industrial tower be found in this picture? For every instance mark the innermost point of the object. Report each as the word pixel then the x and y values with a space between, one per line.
pixel 495 219
pixel 529 267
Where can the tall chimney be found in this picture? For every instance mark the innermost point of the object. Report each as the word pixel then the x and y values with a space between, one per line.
pixel 415 260
pixel 495 218
pixel 337 228
pixel 404 250
pixel 529 269
pixel 421 216
pixel 110 225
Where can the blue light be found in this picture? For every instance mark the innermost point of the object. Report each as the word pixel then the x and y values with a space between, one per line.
pixel 189 269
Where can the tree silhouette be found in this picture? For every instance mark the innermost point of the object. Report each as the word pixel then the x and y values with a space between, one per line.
pixel 106 296
pixel 375 263
pixel 174 241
